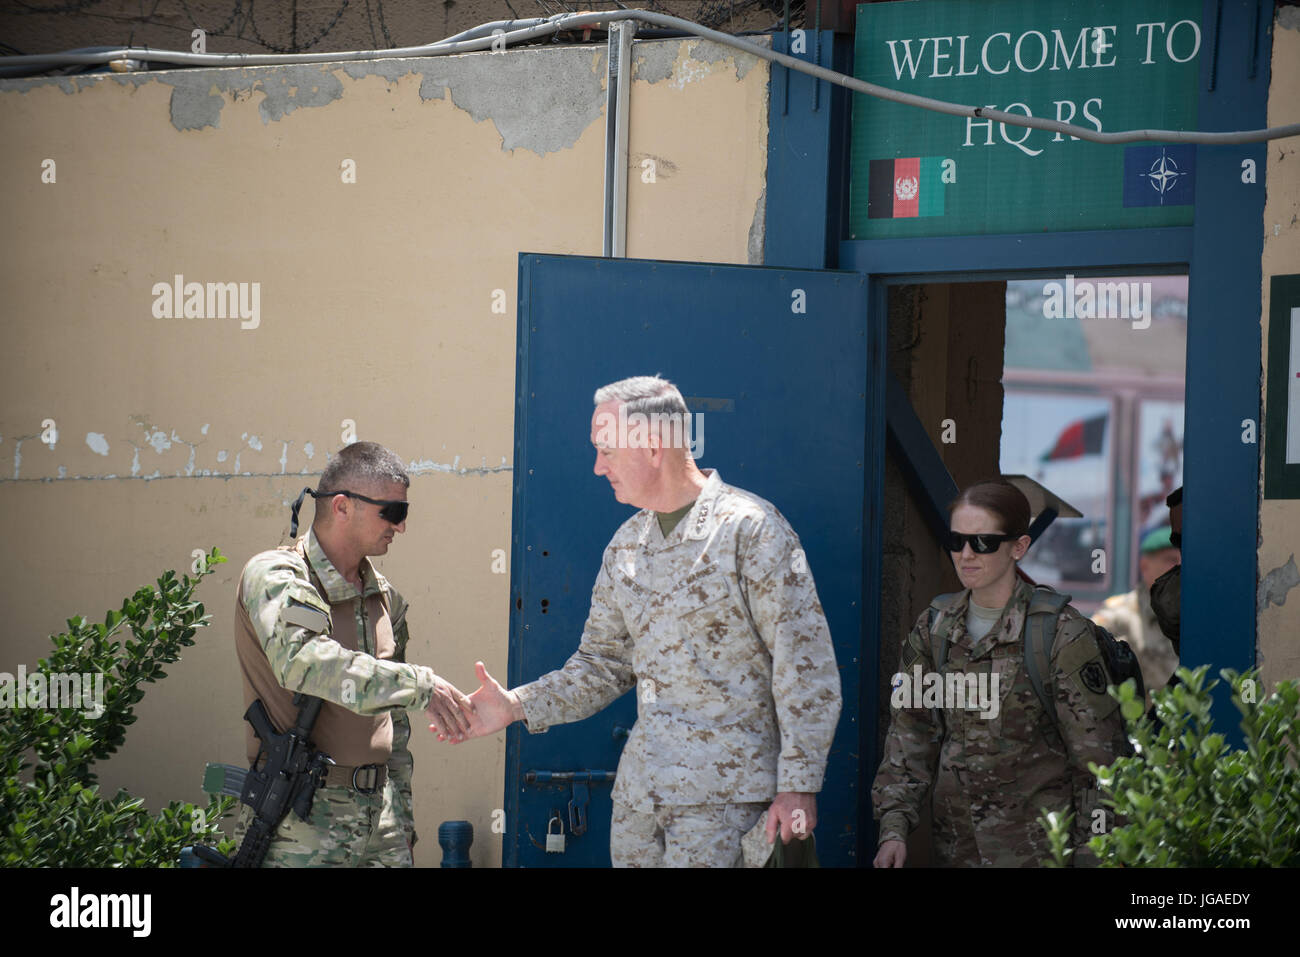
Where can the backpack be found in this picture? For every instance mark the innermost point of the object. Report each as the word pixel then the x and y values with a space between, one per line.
pixel 1118 657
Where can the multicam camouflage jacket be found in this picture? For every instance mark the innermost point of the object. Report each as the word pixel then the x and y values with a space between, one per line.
pixel 989 775
pixel 337 643
pixel 719 629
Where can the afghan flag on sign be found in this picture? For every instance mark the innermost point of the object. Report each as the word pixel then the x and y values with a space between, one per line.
pixel 903 188
pixel 1078 438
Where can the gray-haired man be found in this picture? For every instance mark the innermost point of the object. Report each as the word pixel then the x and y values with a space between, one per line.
pixel 704 603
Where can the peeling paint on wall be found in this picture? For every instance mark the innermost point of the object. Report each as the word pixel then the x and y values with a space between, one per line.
pixel 542 100
pixel 709 52
pixel 166 441
pixel 195 105
pixel 654 61
pixel 1274 586
pixel 757 230
pixel 423 466
pixel 287 88
pixel 539 102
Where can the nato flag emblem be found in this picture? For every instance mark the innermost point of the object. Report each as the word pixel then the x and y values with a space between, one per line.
pixel 1159 175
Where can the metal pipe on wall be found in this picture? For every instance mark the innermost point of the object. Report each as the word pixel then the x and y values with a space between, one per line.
pixel 618 95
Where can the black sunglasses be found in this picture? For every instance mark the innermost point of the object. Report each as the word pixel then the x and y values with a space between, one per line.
pixel 981 544
pixel 391 510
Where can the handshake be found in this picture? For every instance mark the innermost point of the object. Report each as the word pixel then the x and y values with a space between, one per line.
pixel 454 717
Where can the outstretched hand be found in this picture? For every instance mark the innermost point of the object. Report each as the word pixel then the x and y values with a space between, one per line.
pixel 494 708
pixel 449 708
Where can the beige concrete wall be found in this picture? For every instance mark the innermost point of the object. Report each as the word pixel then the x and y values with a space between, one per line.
pixel 376 305
pixel 1279 519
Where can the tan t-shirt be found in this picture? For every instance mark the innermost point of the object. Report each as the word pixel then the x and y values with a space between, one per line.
pixel 301 626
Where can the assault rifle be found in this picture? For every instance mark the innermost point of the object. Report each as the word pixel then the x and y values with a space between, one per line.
pixel 286 780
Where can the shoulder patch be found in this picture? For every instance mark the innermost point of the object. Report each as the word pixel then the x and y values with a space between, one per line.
pixel 1093 677
pixel 304 616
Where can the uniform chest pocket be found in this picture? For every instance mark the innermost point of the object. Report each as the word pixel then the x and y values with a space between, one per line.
pixel 1019 723
pixel 633 599
pixel 974 693
pixel 699 591
pixel 707 605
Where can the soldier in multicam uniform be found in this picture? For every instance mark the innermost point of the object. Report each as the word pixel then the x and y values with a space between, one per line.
pixel 705 604
pixel 317 617
pixel 988 777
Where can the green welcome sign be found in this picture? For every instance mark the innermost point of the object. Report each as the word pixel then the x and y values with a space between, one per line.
pixel 1104 65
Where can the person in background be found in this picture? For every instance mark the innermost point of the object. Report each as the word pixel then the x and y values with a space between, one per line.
pixel 1167 590
pixel 1130 618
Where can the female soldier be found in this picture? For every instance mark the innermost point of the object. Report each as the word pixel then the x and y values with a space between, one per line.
pixel 991 763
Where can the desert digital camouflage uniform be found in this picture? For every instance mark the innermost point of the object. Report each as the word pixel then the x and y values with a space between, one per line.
pixel 1130 617
pixel 988 777
pixel 301 626
pixel 720 630
pixel 686 835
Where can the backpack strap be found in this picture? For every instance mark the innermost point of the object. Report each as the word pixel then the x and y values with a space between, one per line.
pixel 939 613
pixel 939 636
pixel 1040 633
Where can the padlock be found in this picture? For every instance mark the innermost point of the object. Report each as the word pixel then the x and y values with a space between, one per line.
pixel 555 842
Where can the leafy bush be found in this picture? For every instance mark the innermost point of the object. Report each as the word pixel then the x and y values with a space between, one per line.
pixel 1186 799
pixel 54 815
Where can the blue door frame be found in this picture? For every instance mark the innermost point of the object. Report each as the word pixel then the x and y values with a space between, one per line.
pixel 807 193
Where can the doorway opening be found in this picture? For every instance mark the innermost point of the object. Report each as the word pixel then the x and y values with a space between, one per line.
pixel 1074 381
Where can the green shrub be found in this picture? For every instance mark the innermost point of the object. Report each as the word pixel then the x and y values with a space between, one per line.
pixel 51 813
pixel 1185 798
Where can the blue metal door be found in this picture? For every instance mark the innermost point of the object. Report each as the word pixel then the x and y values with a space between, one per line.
pixel 778 360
